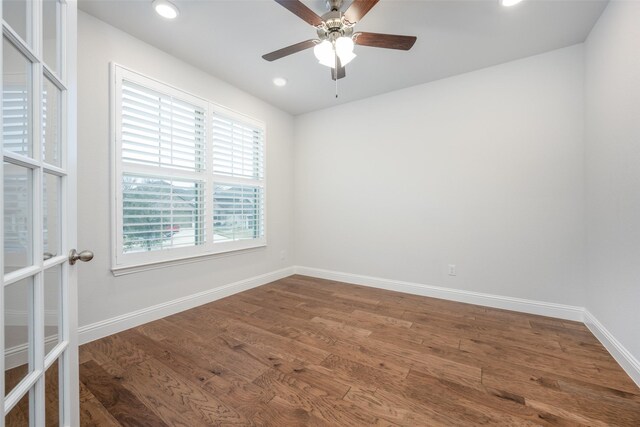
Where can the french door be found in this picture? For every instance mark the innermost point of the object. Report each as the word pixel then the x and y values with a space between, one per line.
pixel 38 196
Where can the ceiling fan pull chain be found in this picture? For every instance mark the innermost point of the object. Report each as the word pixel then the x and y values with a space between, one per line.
pixel 336 59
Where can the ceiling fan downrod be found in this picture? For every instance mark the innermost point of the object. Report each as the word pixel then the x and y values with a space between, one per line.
pixel 334 5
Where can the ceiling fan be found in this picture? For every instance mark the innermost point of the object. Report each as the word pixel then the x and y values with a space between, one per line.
pixel 336 38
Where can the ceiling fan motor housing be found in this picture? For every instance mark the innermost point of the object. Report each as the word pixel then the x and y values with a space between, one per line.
pixel 334 26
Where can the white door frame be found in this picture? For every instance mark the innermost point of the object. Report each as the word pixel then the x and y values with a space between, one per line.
pixel 65 351
pixel 72 403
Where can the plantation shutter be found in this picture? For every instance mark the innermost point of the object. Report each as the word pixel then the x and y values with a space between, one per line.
pixel 160 130
pixel 16 119
pixel 188 176
pixel 163 163
pixel 15 138
pixel 238 170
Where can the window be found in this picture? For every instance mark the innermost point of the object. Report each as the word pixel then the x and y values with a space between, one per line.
pixel 238 194
pixel 188 175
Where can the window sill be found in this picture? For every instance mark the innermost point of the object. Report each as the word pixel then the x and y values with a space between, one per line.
pixel 147 266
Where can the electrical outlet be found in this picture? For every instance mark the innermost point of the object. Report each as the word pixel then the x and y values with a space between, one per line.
pixel 452 269
pixel 283 255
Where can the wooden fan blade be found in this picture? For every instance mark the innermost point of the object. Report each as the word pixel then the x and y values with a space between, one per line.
pixel 285 51
pixel 338 73
pixel 358 9
pixel 300 10
pixel 387 41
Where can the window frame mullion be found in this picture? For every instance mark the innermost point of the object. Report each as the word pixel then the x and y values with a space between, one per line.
pixel 209 231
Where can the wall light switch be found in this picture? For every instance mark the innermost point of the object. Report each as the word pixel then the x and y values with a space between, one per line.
pixel 452 269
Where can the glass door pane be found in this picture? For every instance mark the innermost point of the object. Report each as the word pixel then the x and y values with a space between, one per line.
pixel 17 13
pixel 18 298
pixel 50 34
pixel 52 395
pixel 16 100
pixel 52 294
pixel 19 415
pixel 51 216
pixel 18 215
pixel 51 122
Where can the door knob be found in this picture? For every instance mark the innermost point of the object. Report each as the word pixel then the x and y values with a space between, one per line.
pixel 84 256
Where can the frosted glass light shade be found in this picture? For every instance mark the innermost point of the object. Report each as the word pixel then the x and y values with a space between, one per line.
pixel 346 57
pixel 325 54
pixel 344 49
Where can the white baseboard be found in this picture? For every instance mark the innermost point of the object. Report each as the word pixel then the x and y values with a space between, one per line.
pixel 117 324
pixel 629 363
pixel 560 311
pixel 19 354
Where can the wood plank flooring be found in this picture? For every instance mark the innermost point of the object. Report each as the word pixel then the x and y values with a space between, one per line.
pixel 303 351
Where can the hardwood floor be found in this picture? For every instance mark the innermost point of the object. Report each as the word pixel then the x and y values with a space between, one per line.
pixel 303 351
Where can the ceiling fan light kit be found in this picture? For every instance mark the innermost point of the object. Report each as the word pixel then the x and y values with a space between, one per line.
pixel 326 51
pixel 336 40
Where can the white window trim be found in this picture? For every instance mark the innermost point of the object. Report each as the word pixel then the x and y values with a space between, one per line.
pixel 135 262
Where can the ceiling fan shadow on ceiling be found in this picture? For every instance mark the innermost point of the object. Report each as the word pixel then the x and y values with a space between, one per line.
pixel 336 38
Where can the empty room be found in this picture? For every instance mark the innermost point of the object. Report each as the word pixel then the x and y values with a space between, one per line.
pixel 320 213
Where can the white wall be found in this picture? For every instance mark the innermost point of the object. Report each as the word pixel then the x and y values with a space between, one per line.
pixel 103 296
pixel 612 83
pixel 483 170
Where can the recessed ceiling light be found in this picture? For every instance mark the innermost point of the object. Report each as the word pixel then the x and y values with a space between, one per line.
pixel 165 9
pixel 509 3
pixel 279 81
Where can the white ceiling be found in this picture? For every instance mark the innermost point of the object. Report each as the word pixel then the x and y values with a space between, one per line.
pixel 227 39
